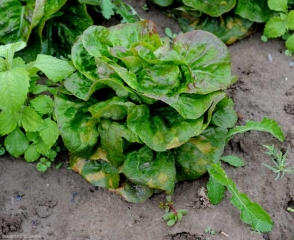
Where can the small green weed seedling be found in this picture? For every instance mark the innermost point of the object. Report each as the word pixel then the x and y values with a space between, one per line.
pixel 2 150
pixel 279 160
pixel 171 214
pixel 209 230
pixel 170 34
pixel 289 209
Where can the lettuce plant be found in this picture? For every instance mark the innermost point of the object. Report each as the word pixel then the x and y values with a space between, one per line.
pixel 26 118
pixel 141 114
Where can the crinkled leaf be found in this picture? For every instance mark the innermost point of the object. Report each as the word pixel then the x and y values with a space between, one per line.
pixel 213 8
pixel 148 168
pixel 193 158
pixel 31 120
pixel 215 191
pixel 229 28
pixel 275 27
pixel 61 31
pixel 290 43
pixel 42 104
pixel 225 117
pixel 208 62
pixel 18 19
pixel 233 161
pixel 32 154
pixel 134 193
pixel 162 132
pixel 14 85
pixel 16 143
pixel 251 213
pixel 98 173
pixel 278 5
pixel 55 69
pixel 78 132
pixel 107 8
pixel 112 136
pixel 8 122
pixel 50 133
pixel 255 11
pixel 266 125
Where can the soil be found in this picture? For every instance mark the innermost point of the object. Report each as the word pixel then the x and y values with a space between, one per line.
pixel 60 205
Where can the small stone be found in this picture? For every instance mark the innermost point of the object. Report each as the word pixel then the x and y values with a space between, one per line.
pixel 49 233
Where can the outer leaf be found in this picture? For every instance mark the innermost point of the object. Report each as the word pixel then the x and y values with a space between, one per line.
pixel 278 5
pixel 55 69
pixel 7 51
pixel 215 191
pixel 162 132
pixel 155 170
pixel 233 161
pixel 16 143
pixel 126 11
pixel 32 154
pixel 291 19
pixel 107 8
pixel 193 158
pixel 31 120
pixel 266 125
pixel 14 85
pixel 213 8
pixel 8 122
pixel 134 193
pixel 208 62
pixel 251 213
pixel 98 173
pixel 255 11
pixel 20 19
pixel 76 127
pixel 50 133
pixel 225 117
pixel 290 43
pixel 275 27
pixel 61 31
pixel 163 3
pixel 43 104
pixel 228 27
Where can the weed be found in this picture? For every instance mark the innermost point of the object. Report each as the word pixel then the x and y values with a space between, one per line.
pixel 289 209
pixel 209 230
pixel 171 214
pixel 279 160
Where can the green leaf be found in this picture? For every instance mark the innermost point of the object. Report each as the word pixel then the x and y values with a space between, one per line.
pixel 42 147
pixel 50 132
pixel 278 5
pixel 275 27
pixel 16 143
pixel 266 125
pixel 133 193
pixel 32 154
pixel 255 11
pixel 233 161
pixel 215 191
pixel 151 169
pixel 31 120
pixel 20 19
pixel 163 3
pixel 168 216
pixel 213 8
pixel 225 117
pixel 251 213
pixel 291 19
pixel 14 85
pixel 59 165
pixel 171 222
pixel 97 173
pixel 290 43
pixel 193 157
pixel 43 165
pixel 42 104
pixel 107 9
pixel 55 69
pixel 228 27
pixel 8 122
pixel 126 11
pixel 207 59
pixel 77 127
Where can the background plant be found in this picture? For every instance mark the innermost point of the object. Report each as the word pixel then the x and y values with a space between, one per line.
pixel 26 116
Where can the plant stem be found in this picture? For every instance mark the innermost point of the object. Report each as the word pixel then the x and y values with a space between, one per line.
pixel 173 209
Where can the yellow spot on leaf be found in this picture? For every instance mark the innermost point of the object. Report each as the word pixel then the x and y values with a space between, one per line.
pixel 79 165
